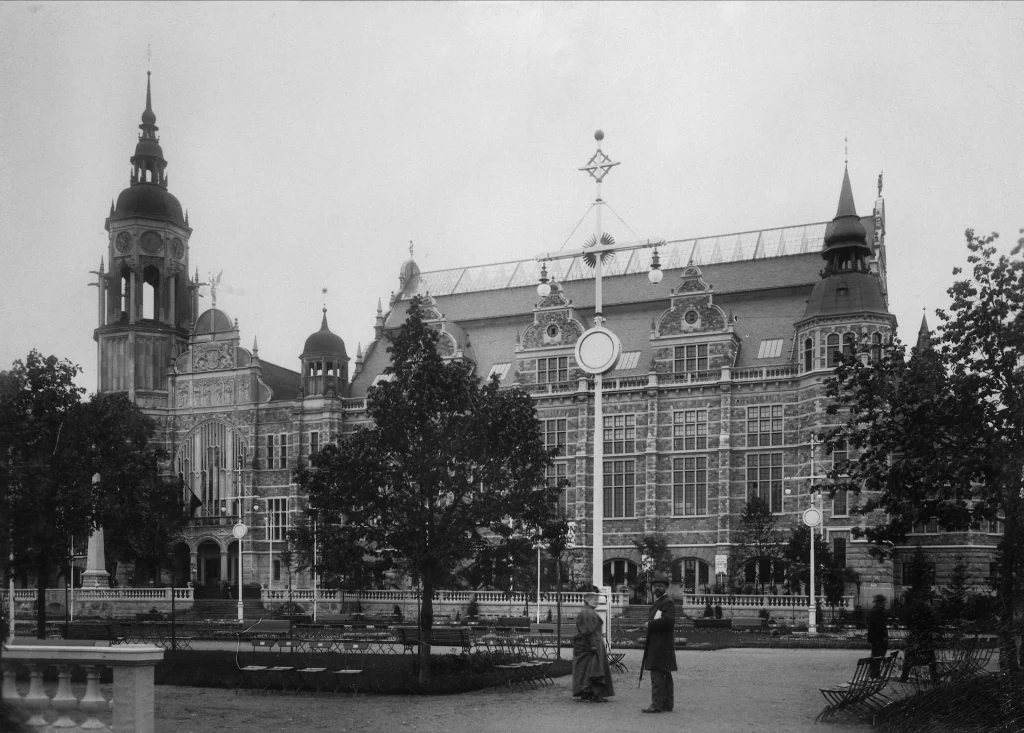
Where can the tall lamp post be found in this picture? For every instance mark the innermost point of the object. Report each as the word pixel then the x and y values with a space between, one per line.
pixel 240 530
pixel 597 350
pixel 812 517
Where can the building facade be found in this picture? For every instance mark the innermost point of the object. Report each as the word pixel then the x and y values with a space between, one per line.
pixel 715 398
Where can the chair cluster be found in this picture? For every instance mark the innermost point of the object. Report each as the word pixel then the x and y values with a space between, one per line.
pixel 293 665
pixel 519 662
pixel 861 697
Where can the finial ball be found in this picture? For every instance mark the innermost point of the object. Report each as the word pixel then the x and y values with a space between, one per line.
pixel 599 135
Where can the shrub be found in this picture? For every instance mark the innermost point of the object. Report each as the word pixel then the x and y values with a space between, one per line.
pixel 473 609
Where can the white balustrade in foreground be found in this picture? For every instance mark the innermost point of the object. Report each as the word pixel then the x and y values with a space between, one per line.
pixel 132 702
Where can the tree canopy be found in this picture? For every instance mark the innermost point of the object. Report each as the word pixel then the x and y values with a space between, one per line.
pixel 52 445
pixel 941 433
pixel 449 464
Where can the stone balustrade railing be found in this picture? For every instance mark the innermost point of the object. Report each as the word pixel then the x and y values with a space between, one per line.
pixel 443 596
pixel 28 595
pixel 129 711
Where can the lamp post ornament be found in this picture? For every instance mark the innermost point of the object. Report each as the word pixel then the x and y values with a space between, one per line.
pixel 597 349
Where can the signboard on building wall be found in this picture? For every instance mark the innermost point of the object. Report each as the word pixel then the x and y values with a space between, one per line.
pixel 721 564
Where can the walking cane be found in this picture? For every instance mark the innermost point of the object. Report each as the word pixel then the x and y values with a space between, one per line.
pixel 643 662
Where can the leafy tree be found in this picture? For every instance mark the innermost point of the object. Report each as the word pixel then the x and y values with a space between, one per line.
pixel 654 547
pixel 446 460
pixel 797 553
pixel 942 434
pixel 757 535
pixel 52 445
pixel 953 596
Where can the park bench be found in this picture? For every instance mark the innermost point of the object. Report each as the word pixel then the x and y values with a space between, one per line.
pixel 862 696
pixel 458 636
pixel 93 630
pixel 748 624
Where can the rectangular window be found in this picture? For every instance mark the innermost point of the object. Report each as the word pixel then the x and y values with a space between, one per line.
pixel 555 474
pixel 929 572
pixel 270 451
pixel 840 503
pixel 619 489
pixel 314 443
pixel 553 369
pixel 277 569
pixel 277 513
pixel 554 435
pixel 692 358
pixel 282 455
pixel 690 430
pixel 764 426
pixel 619 434
pixel 839 551
pixel 690 486
pixel 764 479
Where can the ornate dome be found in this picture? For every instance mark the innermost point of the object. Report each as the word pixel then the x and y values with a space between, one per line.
pixel 845 293
pixel 150 200
pixel 324 342
pixel 213 320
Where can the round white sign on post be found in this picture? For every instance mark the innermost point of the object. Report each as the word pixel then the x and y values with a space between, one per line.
pixel 597 350
pixel 239 530
pixel 812 517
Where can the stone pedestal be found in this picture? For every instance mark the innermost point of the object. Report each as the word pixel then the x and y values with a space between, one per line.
pixel 96 575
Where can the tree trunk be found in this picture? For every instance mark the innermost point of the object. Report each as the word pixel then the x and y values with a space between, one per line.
pixel 426 624
pixel 42 578
pixel 1008 659
pixel 558 605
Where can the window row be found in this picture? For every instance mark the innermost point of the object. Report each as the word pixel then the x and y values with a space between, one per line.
pixel 833 346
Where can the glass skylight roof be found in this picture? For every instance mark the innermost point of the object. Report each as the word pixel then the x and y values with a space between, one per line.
pixel 802 239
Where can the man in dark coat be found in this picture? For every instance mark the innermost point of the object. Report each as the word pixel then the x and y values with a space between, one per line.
pixel 878 634
pixel 661 648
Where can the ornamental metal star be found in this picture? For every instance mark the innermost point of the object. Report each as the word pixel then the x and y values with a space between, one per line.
pixel 599 165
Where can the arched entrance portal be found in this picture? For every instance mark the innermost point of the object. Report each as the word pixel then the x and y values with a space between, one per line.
pixel 208 561
pixel 693 574
pixel 620 572
pixel 766 574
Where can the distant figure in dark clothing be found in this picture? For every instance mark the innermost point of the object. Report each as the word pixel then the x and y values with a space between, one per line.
pixel 718 610
pixel 708 611
pixel 878 634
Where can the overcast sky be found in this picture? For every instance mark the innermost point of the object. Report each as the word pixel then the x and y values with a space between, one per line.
pixel 310 142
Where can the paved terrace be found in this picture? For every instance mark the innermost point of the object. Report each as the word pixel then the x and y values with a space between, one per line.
pixel 748 690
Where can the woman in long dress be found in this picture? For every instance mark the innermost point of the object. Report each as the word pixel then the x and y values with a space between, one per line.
pixel 591 676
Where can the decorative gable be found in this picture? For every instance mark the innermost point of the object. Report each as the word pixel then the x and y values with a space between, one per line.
pixel 692 308
pixel 554 323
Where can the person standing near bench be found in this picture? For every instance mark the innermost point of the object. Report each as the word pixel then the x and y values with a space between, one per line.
pixel 878 634
pixel 660 656
pixel 591 675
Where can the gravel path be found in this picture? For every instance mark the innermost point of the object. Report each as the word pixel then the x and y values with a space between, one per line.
pixel 743 690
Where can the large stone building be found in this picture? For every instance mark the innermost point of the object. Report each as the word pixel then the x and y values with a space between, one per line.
pixel 715 398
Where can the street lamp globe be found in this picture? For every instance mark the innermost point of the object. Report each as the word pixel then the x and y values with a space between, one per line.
pixel 544 290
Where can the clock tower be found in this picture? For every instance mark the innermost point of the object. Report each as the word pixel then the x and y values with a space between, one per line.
pixel 147 303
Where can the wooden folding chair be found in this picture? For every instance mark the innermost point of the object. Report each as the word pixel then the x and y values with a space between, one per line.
pixel 253 675
pixel 314 670
pixel 353 659
pixel 282 674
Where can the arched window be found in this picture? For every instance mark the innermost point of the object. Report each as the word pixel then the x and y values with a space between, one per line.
pixel 151 293
pixel 693 574
pixel 620 572
pixel 876 346
pixel 208 463
pixel 808 354
pixel 125 293
pixel 849 344
pixel 832 348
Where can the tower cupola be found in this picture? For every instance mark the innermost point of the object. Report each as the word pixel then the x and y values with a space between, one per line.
pixel 324 363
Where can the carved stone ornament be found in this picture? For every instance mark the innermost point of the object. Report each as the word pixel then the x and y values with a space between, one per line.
pixel 124 242
pixel 152 243
pixel 207 357
pixel 205 393
pixel 177 248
